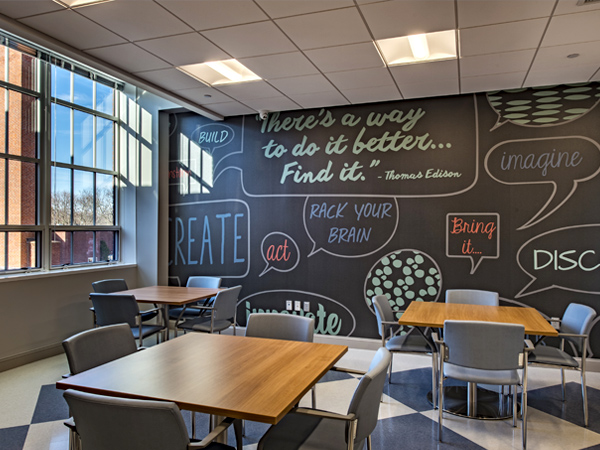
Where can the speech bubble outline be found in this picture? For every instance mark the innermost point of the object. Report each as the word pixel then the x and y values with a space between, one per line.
pixel 475 260
pixel 540 216
pixel 307 293
pixel 271 266
pixel 534 280
pixel 491 97
pixel 316 248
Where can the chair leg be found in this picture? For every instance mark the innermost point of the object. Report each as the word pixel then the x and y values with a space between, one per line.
pixel 193 425
pixel 390 373
pixel 434 381
pixel 314 396
pixel 584 399
pixel 524 412
pixel 369 442
pixel 440 403
pixel 514 403
pixel 562 383
pixel 237 429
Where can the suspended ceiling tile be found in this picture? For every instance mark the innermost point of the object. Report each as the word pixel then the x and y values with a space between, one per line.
pixel 564 75
pixel 135 20
pixel 430 89
pixel 231 109
pixel 73 29
pixel 189 48
pixel 327 29
pixel 18 9
pixel 209 14
pixel 280 65
pixel 573 28
pixel 171 79
pixel 549 57
pixel 403 18
pixel 280 103
pixel 475 13
pixel 505 37
pixel 372 94
pixel 320 99
pixel 346 57
pixel 204 95
pixel 571 6
pixel 277 8
pixel 256 39
pixel 492 82
pixel 520 61
pixel 129 57
pixel 425 73
pixel 249 91
pixel 360 79
pixel 302 85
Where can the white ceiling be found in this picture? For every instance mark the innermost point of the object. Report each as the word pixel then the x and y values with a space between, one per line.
pixel 317 53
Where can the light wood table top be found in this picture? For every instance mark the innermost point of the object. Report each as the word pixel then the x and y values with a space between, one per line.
pixel 171 295
pixel 235 376
pixel 433 314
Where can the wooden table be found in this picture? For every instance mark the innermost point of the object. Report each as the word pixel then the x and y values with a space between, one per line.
pixel 234 376
pixel 170 296
pixel 471 401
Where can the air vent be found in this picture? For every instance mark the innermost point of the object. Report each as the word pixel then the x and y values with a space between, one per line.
pixel 586 2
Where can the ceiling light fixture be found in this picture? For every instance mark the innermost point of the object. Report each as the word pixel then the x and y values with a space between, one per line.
pixel 79 3
pixel 214 73
pixel 418 48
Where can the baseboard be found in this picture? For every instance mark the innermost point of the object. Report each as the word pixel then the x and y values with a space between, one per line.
pixel 30 356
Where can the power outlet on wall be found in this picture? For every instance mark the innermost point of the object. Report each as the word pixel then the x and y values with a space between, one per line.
pixel 297 305
pixel 288 305
pixel 306 306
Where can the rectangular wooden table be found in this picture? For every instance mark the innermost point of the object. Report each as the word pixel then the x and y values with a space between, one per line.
pixel 471 401
pixel 234 376
pixel 170 296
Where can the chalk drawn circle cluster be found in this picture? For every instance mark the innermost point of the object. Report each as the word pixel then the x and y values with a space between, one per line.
pixel 404 276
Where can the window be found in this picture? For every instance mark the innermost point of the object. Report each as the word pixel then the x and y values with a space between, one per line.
pixel 58 162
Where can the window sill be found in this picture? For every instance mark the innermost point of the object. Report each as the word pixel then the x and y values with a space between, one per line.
pixel 63 272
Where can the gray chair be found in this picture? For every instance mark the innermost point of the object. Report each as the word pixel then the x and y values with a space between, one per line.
pixel 472 297
pixel 122 308
pixel 90 349
pixel 185 312
pixel 574 328
pixel 485 352
pixel 129 424
pixel 411 342
pixel 305 428
pixel 282 326
pixel 223 313
pixel 115 285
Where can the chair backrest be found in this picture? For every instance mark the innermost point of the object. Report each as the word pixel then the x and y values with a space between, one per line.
pixel 367 396
pixel 204 282
pixel 115 308
pixel 577 319
pixel 225 305
pixel 109 286
pixel 484 345
pixel 280 326
pixel 472 297
pixel 383 312
pixel 126 424
pixel 97 346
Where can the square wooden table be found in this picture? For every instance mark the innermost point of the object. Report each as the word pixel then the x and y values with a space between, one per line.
pixel 171 296
pixel 234 376
pixel 471 401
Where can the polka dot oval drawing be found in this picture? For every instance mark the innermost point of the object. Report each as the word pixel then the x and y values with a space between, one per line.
pixel 404 276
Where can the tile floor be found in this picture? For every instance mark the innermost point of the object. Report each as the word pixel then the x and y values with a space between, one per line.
pixel 32 410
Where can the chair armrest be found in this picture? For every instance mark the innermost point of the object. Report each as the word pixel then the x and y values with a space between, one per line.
pixel 218 430
pixel 324 414
pixel 157 309
pixel 436 338
pixel 387 322
pixel 573 335
pixel 529 345
pixel 345 370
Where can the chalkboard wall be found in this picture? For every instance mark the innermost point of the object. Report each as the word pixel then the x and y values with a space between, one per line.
pixel 328 207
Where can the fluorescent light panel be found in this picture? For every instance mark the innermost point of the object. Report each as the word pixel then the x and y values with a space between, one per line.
pixel 215 73
pixel 418 48
pixel 79 3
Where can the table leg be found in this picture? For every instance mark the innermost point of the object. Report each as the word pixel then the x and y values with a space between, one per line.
pixel 167 321
pixel 215 421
